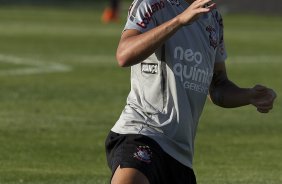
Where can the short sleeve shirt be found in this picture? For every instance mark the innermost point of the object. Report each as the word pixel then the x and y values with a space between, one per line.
pixel 169 88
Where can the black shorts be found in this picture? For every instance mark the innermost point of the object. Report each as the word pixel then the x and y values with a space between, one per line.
pixel 144 154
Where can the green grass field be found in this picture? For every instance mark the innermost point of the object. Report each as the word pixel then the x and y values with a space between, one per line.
pixel 61 91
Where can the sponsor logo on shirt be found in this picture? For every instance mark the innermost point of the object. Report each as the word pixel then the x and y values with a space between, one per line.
pixel 191 75
pixel 147 17
pixel 151 68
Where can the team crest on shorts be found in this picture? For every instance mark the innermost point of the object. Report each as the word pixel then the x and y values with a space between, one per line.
pixel 143 154
pixel 212 36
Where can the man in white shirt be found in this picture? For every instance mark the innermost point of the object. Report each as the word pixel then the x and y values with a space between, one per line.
pixel 176 52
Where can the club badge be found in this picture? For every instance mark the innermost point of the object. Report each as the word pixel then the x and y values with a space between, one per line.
pixel 143 154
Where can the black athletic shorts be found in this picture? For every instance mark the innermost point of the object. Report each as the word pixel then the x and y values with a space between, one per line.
pixel 144 154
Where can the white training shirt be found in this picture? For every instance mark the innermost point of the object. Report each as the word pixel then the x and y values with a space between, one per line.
pixel 169 88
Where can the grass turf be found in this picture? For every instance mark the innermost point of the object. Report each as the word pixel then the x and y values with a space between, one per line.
pixel 53 124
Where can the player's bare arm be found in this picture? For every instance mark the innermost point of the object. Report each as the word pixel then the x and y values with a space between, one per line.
pixel 135 47
pixel 226 94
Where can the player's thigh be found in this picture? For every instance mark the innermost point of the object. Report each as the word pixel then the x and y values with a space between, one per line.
pixel 129 176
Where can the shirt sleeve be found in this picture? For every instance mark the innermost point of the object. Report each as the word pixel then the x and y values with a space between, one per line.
pixel 142 15
pixel 221 54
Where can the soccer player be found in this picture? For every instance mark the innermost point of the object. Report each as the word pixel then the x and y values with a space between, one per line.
pixel 111 14
pixel 176 52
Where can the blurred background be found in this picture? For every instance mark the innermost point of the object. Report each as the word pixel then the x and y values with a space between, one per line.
pixel 254 6
pixel 61 91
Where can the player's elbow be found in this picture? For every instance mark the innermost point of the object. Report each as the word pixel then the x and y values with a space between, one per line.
pixel 217 98
pixel 124 59
pixel 120 60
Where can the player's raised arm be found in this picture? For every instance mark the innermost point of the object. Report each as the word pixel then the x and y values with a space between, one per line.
pixel 135 47
pixel 225 93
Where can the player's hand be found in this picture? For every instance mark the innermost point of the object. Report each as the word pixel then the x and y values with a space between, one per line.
pixel 196 9
pixel 262 98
